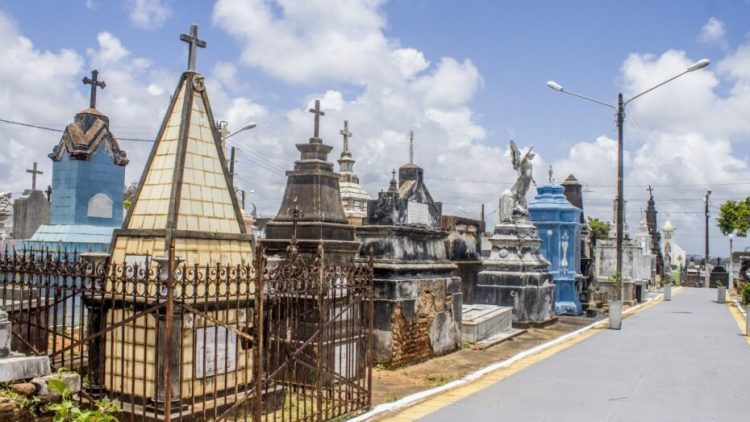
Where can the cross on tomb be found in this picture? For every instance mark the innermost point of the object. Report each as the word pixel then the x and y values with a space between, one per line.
pixel 194 43
pixel 346 134
pixel 317 113
pixel 411 147
pixel 33 172
pixel 94 82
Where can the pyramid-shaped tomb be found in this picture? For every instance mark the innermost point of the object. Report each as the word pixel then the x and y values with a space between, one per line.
pixel 185 191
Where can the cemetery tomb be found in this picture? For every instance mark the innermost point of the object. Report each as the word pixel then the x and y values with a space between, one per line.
pixel 417 296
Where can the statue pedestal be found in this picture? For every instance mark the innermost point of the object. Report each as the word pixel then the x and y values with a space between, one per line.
pixel 567 301
pixel 517 275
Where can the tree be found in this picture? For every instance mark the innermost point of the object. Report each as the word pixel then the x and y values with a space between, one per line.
pixel 599 228
pixel 130 192
pixel 734 216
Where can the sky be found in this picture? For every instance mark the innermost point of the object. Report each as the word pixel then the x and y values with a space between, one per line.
pixel 465 76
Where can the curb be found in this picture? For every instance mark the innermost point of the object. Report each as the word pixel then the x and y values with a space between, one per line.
pixel 739 306
pixel 420 396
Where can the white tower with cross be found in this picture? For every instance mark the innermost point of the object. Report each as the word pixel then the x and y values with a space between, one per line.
pixel 353 196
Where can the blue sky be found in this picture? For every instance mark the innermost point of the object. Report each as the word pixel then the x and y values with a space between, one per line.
pixel 478 80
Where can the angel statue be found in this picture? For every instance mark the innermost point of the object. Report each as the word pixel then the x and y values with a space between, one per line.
pixel 525 177
pixel 6 206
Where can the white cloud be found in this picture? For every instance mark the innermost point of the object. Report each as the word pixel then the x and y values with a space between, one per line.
pixel 682 138
pixel 148 14
pixel 396 89
pixel 713 32
pixel 36 83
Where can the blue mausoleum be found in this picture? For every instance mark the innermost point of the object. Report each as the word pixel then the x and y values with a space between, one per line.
pixel 88 185
pixel 559 225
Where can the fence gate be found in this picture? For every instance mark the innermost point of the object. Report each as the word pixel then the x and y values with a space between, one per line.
pixel 285 341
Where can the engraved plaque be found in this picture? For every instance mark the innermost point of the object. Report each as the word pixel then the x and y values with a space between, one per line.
pixel 215 351
pixel 418 213
pixel 100 206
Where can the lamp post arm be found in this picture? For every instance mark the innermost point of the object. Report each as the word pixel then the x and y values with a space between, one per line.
pixel 589 99
pixel 656 86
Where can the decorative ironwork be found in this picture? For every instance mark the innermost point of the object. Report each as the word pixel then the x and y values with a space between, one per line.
pixel 286 340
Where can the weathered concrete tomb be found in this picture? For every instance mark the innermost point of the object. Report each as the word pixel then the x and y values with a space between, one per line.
pixel 606 261
pixel 417 296
pixel 516 273
pixel 312 197
pixel 353 196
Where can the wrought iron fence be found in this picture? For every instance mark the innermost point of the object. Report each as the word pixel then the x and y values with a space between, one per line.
pixel 289 340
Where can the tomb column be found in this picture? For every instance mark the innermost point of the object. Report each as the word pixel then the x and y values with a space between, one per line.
pixel 95 264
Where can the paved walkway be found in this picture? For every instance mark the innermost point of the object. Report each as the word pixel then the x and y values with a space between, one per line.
pixel 684 360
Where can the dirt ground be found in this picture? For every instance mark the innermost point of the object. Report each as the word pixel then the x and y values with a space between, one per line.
pixel 391 385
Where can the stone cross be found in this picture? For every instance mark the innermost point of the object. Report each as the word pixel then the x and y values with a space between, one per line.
pixel 94 82
pixel 318 113
pixel 411 147
pixel 194 43
pixel 650 191
pixel 346 134
pixel 33 172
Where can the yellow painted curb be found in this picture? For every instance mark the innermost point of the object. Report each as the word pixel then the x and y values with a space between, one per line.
pixel 439 401
pixel 738 317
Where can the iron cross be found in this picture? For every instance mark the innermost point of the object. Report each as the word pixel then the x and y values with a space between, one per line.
pixel 33 172
pixel 650 191
pixel 346 134
pixel 194 43
pixel 411 147
pixel 94 82
pixel 317 113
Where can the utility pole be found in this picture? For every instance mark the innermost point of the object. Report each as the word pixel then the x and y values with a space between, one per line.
pixel 705 266
pixel 620 192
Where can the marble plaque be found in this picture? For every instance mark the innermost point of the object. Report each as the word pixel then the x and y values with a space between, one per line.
pixel 100 206
pixel 345 360
pixel 418 213
pixel 219 346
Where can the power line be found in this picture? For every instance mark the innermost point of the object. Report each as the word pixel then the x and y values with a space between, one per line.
pixel 33 126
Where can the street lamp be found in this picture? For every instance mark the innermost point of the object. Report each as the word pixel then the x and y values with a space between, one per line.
pixel 250 125
pixel 224 133
pixel 620 115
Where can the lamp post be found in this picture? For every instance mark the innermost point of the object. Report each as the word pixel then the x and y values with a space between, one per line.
pixel 707 276
pixel 731 262
pixel 620 119
pixel 224 133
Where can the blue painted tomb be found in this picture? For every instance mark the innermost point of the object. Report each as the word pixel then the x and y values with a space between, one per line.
pixel 559 225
